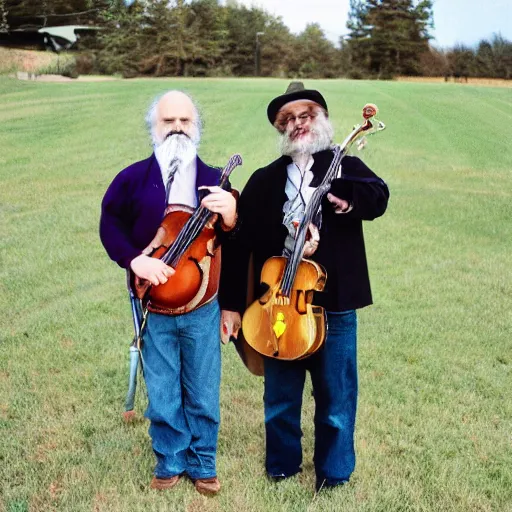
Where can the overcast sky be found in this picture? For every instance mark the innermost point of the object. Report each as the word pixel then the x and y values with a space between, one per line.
pixel 456 21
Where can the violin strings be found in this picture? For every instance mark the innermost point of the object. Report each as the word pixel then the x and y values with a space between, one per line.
pixel 173 253
pixel 195 224
pixel 187 235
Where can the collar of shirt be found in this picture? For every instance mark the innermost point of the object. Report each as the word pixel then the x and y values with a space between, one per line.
pixel 298 180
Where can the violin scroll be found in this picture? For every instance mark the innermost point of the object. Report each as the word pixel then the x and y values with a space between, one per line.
pixel 236 159
pixel 233 162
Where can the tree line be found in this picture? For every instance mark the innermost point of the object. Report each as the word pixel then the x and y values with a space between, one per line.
pixel 385 38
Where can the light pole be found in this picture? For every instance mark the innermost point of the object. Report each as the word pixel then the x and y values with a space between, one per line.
pixel 257 54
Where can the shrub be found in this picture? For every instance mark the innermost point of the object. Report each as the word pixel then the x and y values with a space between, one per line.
pixel 85 63
pixel 64 65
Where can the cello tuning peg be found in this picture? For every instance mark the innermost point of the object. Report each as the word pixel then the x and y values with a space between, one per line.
pixel 361 143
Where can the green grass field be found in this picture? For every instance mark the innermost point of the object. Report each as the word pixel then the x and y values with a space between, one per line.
pixel 435 358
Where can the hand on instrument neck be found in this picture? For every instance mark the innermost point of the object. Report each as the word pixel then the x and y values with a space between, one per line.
pixel 221 202
pixel 312 240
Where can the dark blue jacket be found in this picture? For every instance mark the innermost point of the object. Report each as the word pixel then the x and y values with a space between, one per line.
pixel 134 205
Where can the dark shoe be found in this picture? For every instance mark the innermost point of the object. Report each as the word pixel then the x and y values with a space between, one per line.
pixel 164 483
pixel 207 485
pixel 279 477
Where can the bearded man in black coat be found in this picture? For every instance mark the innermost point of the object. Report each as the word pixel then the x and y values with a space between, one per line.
pixel 271 206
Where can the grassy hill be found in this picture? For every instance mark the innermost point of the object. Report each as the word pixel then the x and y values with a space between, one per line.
pixel 434 417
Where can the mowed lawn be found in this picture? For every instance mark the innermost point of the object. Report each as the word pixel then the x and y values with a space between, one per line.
pixel 435 407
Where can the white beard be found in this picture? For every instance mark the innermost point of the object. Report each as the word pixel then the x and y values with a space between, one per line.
pixel 177 146
pixel 319 138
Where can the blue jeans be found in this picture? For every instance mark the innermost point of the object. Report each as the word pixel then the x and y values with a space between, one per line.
pixel 334 377
pixel 182 367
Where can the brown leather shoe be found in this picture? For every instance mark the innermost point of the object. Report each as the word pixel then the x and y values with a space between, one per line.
pixel 207 485
pixel 164 483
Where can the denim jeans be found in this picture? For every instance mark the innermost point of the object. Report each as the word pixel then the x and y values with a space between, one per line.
pixel 334 377
pixel 182 368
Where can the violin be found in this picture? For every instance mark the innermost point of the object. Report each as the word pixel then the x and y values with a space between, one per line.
pixel 186 242
pixel 284 323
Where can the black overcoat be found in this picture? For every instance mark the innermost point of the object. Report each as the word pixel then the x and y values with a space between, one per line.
pixel 341 250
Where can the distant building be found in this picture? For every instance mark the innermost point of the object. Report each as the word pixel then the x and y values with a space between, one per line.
pixel 51 38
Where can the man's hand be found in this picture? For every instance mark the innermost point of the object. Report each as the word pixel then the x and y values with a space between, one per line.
pixel 313 238
pixel 151 269
pixel 230 323
pixel 340 205
pixel 222 202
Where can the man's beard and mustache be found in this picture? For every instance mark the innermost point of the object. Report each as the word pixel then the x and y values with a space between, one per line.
pixel 176 146
pixel 319 138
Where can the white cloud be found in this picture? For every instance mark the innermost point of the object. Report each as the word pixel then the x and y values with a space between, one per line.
pixel 465 21
pixel 331 15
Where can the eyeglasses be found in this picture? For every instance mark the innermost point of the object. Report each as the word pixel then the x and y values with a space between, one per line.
pixel 302 118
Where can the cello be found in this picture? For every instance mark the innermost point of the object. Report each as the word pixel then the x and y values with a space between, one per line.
pixel 284 323
pixel 185 241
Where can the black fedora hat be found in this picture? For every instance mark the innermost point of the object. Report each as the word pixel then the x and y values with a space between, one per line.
pixel 295 91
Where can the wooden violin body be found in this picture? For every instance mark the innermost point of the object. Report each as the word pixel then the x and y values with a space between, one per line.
pixel 186 241
pixel 287 327
pixel 196 272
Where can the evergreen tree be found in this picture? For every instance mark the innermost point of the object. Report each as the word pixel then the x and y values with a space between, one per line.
pixel 388 36
pixel 42 13
pixel 166 51
pixel 208 25
pixel 121 42
pixel 4 25
pixel 502 57
pixel 485 60
pixel 277 49
pixel 357 46
pixel 315 55
pixel 242 25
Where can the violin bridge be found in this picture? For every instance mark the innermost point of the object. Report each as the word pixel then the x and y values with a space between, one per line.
pixel 282 300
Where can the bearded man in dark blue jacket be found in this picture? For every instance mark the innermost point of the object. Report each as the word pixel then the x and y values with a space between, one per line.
pixel 271 206
pixel 181 357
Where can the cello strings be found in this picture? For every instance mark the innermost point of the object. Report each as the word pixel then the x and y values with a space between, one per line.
pixel 294 260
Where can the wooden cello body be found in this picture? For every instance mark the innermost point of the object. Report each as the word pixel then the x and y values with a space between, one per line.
pixel 284 327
